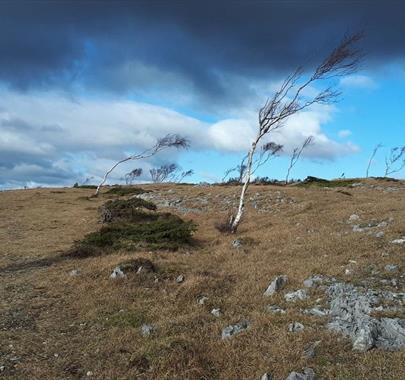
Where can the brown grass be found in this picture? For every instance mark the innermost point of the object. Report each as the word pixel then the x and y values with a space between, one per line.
pixel 55 326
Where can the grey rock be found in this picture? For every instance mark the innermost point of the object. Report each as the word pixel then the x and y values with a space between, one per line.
pixel 313 281
pixel 277 284
pixel 298 295
pixel 266 376
pixel 391 268
pixel 237 328
pixel 147 330
pixel 180 279
pixel 74 272
pixel 353 218
pixel 308 374
pixel 236 243
pixel 295 327
pixel 274 309
pixel 350 315
pixel 117 273
pixel 202 299
pixel 317 312
pixel 399 241
pixel 216 312
pixel 379 234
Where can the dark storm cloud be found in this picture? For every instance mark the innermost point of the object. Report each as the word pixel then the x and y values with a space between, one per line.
pixel 57 44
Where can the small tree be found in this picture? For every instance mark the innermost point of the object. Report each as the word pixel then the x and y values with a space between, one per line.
pixel 130 177
pixel 169 141
pixel 395 161
pixel 290 99
pixel 169 173
pixel 296 154
pixel 370 161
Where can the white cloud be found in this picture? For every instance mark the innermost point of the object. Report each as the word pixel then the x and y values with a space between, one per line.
pixel 358 81
pixel 344 133
pixel 51 139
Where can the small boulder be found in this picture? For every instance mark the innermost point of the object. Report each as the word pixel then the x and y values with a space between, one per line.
pixel 202 299
pixel 308 374
pixel 74 272
pixel 298 295
pixel 295 327
pixel 399 241
pixel 266 376
pixel 236 243
pixel 274 309
pixel 180 279
pixel 216 312
pixel 391 268
pixel 353 218
pixel 237 328
pixel 117 273
pixel 313 281
pixel 277 284
pixel 147 330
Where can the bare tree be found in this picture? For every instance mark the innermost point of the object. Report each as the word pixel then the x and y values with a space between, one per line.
pixel 169 141
pixel 370 161
pixel 130 177
pixel 290 99
pixel 296 154
pixel 169 173
pixel 396 157
pixel 162 173
pixel 267 152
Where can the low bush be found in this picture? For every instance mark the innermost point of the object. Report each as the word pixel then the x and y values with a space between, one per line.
pixel 126 190
pixel 321 182
pixel 124 209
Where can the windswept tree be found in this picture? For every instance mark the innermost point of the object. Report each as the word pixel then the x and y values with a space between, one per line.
pixel 292 98
pixel 169 141
pixel 132 175
pixel 296 154
pixel 395 161
pixel 267 152
pixel 370 161
pixel 169 173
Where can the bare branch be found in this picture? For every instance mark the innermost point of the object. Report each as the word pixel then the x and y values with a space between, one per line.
pixel 396 156
pixel 296 154
pixel 376 148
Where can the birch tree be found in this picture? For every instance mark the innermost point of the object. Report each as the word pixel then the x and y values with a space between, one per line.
pixel 296 154
pixel 292 98
pixel 395 161
pixel 370 161
pixel 169 141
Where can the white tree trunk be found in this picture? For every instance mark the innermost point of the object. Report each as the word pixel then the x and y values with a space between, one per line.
pixel 108 173
pixel 248 174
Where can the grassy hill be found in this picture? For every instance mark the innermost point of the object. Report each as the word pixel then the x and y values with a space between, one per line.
pixel 63 317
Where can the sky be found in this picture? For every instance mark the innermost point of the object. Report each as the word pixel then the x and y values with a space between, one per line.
pixel 85 83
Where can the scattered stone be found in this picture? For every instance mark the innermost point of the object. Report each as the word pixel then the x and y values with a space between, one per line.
pixel 348 272
pixel 391 268
pixel 2 368
pixel 277 284
pixel 89 373
pixel 350 315
pixel 180 279
pixel 308 374
pixel 300 294
pixel 295 327
pixel 274 309
pixel 236 243
pixel 379 234
pixel 382 224
pixel 313 281
pixel 317 312
pixel 202 299
pixel 216 312
pixel 117 273
pixel 399 241
pixel 147 330
pixel 353 218
pixel 266 376
pixel 132 266
pixel 232 330
pixel 74 272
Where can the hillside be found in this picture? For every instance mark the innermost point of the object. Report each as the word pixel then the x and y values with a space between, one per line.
pixel 64 317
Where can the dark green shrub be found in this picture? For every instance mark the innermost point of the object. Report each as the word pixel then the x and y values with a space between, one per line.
pixel 126 190
pixel 124 209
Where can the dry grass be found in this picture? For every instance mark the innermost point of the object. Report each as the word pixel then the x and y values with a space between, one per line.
pixel 55 326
